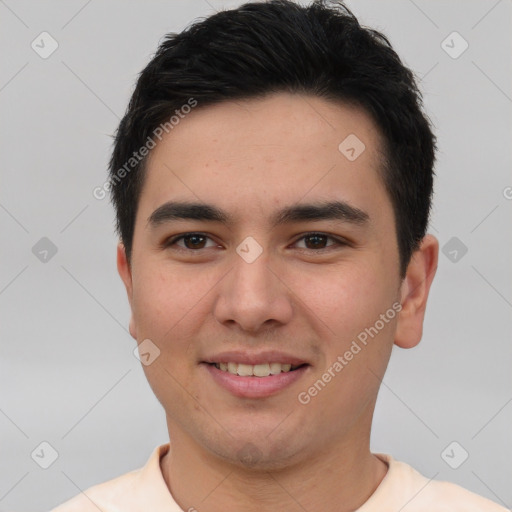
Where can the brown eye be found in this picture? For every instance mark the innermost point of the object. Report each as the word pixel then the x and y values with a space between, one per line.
pixel 318 241
pixel 191 241
pixel 194 241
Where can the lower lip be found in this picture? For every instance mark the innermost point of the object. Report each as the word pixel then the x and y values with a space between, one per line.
pixel 254 387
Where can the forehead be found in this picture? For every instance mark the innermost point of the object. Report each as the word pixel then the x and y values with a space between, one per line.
pixel 255 156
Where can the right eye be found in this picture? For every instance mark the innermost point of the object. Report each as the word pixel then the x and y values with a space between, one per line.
pixel 191 241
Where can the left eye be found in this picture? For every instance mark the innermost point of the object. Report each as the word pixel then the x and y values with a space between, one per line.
pixel 196 241
pixel 318 241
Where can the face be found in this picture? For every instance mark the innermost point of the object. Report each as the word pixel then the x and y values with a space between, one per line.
pixel 260 278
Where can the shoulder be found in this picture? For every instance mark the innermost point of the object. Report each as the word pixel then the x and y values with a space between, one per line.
pixel 455 498
pixel 102 496
pixel 139 489
pixel 405 487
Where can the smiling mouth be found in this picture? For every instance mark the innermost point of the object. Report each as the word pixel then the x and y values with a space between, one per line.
pixel 256 370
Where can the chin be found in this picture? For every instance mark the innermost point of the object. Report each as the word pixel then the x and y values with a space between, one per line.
pixel 258 455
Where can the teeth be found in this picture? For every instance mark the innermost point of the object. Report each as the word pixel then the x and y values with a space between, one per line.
pixel 275 368
pixel 261 370
pixel 256 370
pixel 245 370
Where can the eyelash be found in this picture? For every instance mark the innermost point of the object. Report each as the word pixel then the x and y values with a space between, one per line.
pixel 172 241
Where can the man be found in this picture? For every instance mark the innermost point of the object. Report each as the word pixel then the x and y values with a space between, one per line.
pixel 272 180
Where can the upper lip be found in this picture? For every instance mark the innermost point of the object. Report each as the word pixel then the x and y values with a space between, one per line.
pixel 244 357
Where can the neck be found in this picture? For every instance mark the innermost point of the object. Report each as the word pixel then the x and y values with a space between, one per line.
pixel 339 478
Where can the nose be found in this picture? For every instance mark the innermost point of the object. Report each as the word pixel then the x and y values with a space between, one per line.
pixel 253 296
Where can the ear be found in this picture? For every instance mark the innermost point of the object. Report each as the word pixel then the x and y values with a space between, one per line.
pixel 123 267
pixel 414 292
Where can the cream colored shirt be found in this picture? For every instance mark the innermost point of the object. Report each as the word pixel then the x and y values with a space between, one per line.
pixel 402 489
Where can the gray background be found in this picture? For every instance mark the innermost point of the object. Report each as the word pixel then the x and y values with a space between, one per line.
pixel 68 375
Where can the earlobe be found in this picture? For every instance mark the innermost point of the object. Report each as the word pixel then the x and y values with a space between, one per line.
pixel 123 267
pixel 414 293
pixel 133 331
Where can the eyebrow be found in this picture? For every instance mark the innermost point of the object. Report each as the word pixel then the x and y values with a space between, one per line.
pixel 327 210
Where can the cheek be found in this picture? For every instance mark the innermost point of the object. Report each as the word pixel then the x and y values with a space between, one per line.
pixel 162 296
pixel 356 339
pixel 166 308
pixel 161 300
pixel 346 300
pixel 171 305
